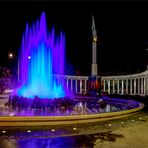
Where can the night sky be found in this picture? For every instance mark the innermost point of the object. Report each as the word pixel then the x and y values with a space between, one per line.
pixel 122 29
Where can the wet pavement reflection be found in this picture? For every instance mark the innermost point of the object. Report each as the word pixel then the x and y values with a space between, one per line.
pixel 69 136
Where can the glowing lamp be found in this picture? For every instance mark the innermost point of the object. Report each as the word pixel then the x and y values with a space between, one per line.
pixel 10 55
pixel 95 39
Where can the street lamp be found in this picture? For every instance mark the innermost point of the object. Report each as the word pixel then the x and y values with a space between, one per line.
pixel 11 56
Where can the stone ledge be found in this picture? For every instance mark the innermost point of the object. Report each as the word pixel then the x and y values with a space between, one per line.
pixel 64 120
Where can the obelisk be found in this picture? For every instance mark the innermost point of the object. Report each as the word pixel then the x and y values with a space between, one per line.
pixel 94 71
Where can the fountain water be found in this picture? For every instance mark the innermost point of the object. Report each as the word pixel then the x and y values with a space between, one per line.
pixel 42 56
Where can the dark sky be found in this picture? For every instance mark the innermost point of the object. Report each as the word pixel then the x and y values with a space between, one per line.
pixel 122 29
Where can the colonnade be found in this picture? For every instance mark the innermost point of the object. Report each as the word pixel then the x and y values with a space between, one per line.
pixel 76 84
pixel 135 84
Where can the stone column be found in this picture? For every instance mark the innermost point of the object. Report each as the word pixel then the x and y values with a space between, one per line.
pixel 122 87
pixel 141 85
pixel 71 85
pixel 104 86
pixel 134 86
pixel 76 85
pixel 85 86
pixel 126 86
pixel 118 87
pixel 144 86
pixel 67 83
pixel 131 86
pixel 146 83
pixel 108 86
pixel 80 86
pixel 113 86
pixel 138 86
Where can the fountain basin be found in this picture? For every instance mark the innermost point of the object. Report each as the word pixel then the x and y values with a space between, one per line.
pixel 65 120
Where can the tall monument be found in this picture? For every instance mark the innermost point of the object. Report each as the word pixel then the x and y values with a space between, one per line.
pixel 94 50
pixel 93 78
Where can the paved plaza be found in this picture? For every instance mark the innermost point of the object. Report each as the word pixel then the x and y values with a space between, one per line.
pixel 129 137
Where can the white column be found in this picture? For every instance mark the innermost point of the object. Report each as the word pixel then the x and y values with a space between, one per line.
pixel 118 87
pixel 122 87
pixel 126 86
pixel 80 86
pixel 113 86
pixel 85 86
pixel 135 86
pixel 76 86
pixel 144 84
pixel 138 86
pixel 141 85
pixel 104 86
pixel 131 86
pixel 67 83
pixel 71 85
pixel 108 86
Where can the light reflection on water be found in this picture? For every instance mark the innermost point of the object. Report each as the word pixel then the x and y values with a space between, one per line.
pixel 62 142
pixel 45 138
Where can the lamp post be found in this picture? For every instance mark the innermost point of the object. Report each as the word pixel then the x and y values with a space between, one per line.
pixel 11 56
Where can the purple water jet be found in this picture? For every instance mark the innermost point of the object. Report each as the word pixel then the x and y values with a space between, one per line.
pixel 42 56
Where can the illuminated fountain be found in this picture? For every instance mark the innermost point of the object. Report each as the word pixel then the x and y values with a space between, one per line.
pixel 42 56
pixel 41 60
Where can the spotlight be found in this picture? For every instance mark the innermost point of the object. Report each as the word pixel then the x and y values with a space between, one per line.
pixel 122 122
pixel 3 132
pixel 29 131
pixel 110 125
pixel 29 57
pixel 11 114
pixel 133 120
pixel 74 128
pixel 53 130
pixel 140 118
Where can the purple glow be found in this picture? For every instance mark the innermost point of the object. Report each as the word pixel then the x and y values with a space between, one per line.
pixel 42 56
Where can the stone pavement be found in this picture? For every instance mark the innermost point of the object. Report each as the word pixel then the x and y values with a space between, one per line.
pixel 130 137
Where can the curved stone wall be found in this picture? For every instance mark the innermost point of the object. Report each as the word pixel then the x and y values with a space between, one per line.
pixel 64 120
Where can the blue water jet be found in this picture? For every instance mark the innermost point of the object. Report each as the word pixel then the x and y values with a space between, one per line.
pixel 42 56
